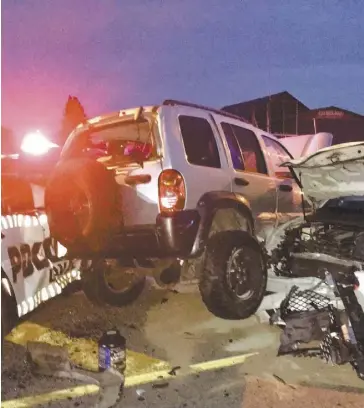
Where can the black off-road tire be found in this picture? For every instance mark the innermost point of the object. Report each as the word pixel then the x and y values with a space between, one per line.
pixel 98 291
pixel 101 196
pixel 215 291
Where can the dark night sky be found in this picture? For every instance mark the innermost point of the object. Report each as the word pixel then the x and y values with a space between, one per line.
pixel 117 54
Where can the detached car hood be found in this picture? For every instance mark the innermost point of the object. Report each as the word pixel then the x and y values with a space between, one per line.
pixel 333 172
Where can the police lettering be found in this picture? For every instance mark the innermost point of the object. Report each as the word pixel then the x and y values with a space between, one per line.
pixel 26 259
pixel 39 263
pixel 50 249
pixel 15 262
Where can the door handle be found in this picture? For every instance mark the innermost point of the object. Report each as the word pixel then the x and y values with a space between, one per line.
pixel 286 188
pixel 239 181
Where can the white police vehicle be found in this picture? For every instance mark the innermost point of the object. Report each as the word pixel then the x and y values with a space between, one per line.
pixel 33 266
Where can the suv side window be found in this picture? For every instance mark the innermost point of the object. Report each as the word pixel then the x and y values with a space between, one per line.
pixel 244 149
pixel 199 141
pixel 235 152
pixel 278 155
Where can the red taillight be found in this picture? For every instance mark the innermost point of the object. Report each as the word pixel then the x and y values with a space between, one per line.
pixel 172 192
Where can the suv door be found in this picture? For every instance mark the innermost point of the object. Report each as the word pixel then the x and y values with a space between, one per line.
pixel 250 175
pixel 289 193
pixel 207 167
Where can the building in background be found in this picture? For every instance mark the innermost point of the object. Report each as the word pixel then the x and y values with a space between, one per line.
pixel 282 114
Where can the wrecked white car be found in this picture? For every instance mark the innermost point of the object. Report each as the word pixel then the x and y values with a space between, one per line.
pixel 323 259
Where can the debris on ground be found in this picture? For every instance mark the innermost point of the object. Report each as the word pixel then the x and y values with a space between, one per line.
pixel 140 393
pixel 53 361
pixel 265 393
pixel 185 340
pixel 46 359
pixel 161 385
pixel 173 371
pixel 279 379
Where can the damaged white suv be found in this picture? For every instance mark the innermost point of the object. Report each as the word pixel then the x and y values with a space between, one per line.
pixel 149 188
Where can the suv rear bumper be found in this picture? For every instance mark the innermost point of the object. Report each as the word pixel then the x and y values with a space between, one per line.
pixel 172 236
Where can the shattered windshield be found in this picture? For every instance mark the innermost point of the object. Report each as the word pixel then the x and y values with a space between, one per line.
pixel 124 140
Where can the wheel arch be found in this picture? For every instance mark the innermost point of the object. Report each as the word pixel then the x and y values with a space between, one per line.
pixel 222 211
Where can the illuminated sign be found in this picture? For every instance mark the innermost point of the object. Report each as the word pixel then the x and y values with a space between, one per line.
pixel 330 114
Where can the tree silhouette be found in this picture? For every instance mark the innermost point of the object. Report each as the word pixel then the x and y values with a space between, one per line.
pixel 73 115
pixel 9 143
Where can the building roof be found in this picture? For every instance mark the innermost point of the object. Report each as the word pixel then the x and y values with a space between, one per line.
pixel 255 103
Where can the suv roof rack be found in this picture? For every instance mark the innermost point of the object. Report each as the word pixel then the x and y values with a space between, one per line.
pixel 171 102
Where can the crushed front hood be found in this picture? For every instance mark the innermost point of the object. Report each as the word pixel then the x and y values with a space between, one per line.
pixel 333 172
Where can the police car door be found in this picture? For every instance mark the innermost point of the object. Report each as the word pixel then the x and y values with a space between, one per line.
pixel 24 245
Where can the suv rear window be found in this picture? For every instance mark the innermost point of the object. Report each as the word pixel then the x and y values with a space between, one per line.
pixel 121 140
pixel 199 141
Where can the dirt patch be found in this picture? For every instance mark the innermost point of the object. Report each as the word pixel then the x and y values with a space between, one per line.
pixel 275 394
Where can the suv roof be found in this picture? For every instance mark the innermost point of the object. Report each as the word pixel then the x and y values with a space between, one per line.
pixel 172 102
pixel 102 119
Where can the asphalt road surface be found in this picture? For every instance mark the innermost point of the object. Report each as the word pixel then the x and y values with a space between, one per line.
pixel 219 363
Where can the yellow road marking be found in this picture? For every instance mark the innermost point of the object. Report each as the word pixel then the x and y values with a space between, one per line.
pixel 131 381
pixel 221 363
pixel 74 392
pixel 141 369
pixel 83 352
pixel 194 368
